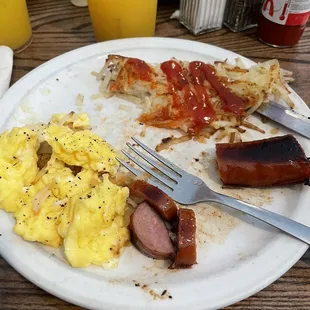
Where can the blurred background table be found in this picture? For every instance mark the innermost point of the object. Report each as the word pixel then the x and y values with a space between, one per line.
pixel 59 27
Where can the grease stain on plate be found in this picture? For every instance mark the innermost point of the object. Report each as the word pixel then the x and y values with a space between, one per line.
pixel 213 225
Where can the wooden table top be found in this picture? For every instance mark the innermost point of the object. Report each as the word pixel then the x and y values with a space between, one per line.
pixel 59 27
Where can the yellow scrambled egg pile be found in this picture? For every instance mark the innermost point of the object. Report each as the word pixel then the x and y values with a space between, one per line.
pixel 71 200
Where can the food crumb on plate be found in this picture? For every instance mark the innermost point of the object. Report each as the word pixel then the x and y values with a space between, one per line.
pixel 79 100
pixel 96 96
pixel 163 294
pixel 45 91
pixel 274 131
pixel 98 107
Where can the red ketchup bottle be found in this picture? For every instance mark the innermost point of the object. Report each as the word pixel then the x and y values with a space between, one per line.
pixel 282 22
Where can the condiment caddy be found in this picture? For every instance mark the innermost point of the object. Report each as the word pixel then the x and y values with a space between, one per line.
pixel 281 23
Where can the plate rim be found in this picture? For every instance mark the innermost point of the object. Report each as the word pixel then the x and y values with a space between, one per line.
pixel 83 50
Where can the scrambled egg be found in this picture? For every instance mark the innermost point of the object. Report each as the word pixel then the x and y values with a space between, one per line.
pixel 97 233
pixel 18 156
pixel 81 148
pixel 71 200
pixel 18 164
pixel 72 120
pixel 38 224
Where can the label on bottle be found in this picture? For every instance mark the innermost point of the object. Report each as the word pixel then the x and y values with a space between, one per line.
pixel 287 12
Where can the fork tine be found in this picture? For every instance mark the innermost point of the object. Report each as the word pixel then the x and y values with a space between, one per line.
pixel 163 160
pixel 163 180
pixel 135 171
pixel 154 163
pixel 138 172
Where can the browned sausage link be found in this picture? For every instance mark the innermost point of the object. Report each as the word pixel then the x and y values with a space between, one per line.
pixel 161 202
pixel 268 162
pixel 150 234
pixel 186 239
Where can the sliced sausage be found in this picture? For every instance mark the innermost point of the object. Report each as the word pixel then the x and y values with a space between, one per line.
pixel 150 234
pixel 186 239
pixel 161 202
pixel 268 162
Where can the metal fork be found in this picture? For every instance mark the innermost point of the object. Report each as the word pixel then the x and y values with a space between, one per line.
pixel 188 189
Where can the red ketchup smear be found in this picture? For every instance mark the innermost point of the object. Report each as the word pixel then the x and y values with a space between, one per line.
pixel 197 105
pixel 204 110
pixel 232 102
pixel 139 69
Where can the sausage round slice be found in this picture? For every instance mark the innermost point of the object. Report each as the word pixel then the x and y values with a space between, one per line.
pixel 186 239
pixel 161 202
pixel 150 234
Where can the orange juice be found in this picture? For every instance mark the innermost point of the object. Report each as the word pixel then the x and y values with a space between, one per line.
pixel 15 27
pixel 115 19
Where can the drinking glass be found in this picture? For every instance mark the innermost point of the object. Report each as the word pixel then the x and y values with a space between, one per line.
pixel 15 27
pixel 115 19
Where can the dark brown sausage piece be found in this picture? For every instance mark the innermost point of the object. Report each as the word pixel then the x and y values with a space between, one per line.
pixel 161 202
pixel 186 239
pixel 150 234
pixel 268 162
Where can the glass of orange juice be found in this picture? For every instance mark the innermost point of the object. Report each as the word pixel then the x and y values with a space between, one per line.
pixel 15 27
pixel 116 19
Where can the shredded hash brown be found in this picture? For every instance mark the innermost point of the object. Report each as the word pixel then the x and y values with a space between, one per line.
pixel 165 95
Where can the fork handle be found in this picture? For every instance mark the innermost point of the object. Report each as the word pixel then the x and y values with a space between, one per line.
pixel 283 223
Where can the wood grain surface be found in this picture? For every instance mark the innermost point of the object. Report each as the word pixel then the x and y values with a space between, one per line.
pixel 59 27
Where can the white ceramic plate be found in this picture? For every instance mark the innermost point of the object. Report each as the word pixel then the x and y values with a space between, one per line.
pixel 237 256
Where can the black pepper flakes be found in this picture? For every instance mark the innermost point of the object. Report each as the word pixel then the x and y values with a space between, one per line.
pixel 170 296
pixel 164 292
pixel 48 217
pixel 88 196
